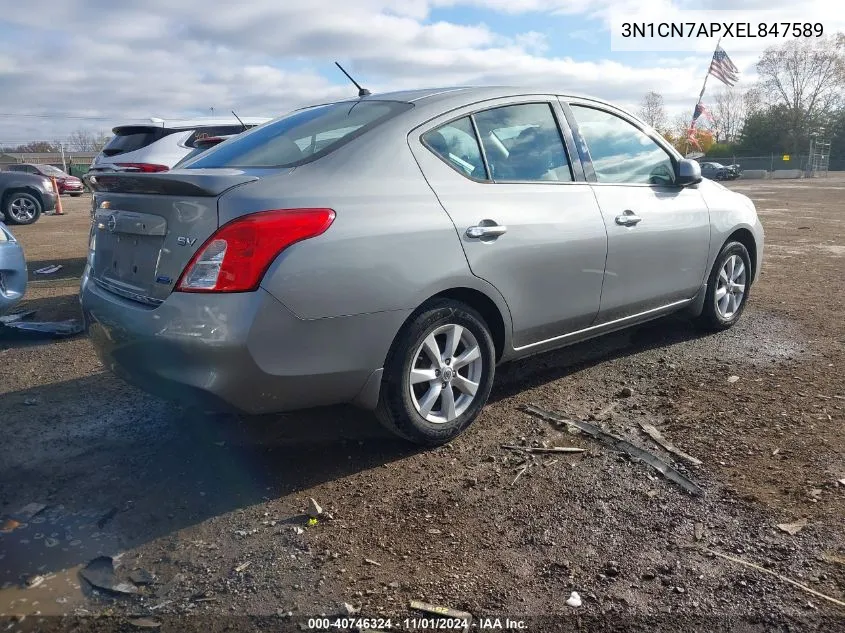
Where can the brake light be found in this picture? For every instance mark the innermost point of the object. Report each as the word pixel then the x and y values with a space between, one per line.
pixel 144 167
pixel 236 257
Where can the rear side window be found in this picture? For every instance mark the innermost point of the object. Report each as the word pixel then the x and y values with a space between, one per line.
pixel 302 136
pixel 132 138
pixel 457 144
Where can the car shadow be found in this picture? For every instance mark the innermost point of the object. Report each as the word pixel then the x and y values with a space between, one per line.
pixel 517 376
pixel 126 469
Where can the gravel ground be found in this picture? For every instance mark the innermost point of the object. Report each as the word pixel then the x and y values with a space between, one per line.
pixel 214 507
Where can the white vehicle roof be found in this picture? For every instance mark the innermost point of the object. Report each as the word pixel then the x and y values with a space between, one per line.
pixel 191 124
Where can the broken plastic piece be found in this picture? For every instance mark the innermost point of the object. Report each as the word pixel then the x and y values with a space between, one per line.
pixel 100 573
pixel 56 328
pixel 620 445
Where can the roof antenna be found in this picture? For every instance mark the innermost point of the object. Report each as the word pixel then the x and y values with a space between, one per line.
pixel 239 121
pixel 362 92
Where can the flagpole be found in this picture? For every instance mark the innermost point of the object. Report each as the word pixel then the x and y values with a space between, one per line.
pixel 701 94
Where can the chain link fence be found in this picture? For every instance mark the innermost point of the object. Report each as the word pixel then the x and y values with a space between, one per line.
pixel 773 162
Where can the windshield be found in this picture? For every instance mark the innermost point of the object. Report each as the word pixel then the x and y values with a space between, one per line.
pixel 302 136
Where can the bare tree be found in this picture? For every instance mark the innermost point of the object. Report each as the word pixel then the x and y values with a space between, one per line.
pixel 728 114
pixel 807 78
pixel 87 141
pixel 652 110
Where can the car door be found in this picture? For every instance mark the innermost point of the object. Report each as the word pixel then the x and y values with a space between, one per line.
pixel 658 233
pixel 528 221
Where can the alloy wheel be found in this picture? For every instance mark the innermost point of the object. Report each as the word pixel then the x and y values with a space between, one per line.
pixel 730 287
pixel 22 209
pixel 445 374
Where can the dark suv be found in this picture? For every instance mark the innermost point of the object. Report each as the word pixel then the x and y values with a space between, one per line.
pixel 24 197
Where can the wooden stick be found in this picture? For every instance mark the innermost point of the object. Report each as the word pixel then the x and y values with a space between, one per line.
pixel 776 575
pixel 654 434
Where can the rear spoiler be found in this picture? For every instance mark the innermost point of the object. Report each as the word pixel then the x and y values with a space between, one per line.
pixel 198 182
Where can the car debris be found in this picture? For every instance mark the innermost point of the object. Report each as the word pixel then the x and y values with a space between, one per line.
pixel 795 583
pixel 370 561
pixel 574 600
pixel 657 436
pixel 56 328
pixel 793 528
pixel 16 316
pixel 145 623
pixel 100 573
pixel 542 449
pixel 49 270
pixel 315 511
pixel 621 445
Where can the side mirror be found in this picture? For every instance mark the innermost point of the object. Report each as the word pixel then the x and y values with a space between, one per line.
pixel 689 172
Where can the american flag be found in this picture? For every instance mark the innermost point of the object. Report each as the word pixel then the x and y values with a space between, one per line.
pixel 722 68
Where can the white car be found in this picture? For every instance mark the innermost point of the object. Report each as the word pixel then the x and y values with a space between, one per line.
pixel 159 145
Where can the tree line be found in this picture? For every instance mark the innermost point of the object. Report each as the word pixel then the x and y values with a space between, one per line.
pixel 799 94
pixel 78 141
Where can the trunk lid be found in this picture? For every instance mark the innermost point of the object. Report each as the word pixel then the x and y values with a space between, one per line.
pixel 146 227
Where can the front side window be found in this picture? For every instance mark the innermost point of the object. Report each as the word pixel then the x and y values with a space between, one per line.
pixel 301 136
pixel 621 152
pixel 457 145
pixel 523 143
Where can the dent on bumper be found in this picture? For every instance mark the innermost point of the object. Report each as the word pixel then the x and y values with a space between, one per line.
pixel 244 351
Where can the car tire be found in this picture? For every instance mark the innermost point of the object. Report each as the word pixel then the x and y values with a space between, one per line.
pixel 421 411
pixel 727 288
pixel 22 208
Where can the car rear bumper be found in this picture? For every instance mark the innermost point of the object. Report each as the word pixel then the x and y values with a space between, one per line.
pixel 241 351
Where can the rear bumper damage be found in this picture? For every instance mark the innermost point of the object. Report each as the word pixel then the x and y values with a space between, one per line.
pixel 240 351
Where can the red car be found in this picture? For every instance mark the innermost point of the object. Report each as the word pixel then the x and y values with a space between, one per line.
pixel 67 184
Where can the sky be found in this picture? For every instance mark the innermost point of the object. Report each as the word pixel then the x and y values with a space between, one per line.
pixel 93 64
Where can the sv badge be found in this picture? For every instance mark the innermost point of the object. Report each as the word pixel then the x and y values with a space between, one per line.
pixel 186 241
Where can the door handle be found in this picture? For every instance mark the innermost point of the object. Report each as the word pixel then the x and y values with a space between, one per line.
pixel 628 218
pixel 487 228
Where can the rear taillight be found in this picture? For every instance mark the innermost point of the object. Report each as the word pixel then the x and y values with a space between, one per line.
pixel 236 256
pixel 144 167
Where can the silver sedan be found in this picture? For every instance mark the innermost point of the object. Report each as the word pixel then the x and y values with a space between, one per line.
pixel 391 250
pixel 13 272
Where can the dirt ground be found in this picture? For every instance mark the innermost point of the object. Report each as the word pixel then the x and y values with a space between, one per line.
pixel 213 508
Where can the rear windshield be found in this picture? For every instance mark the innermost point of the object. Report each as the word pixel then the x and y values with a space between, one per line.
pixel 131 138
pixel 302 136
pixel 49 170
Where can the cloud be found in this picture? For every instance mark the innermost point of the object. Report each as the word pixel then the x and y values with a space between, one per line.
pixel 135 58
